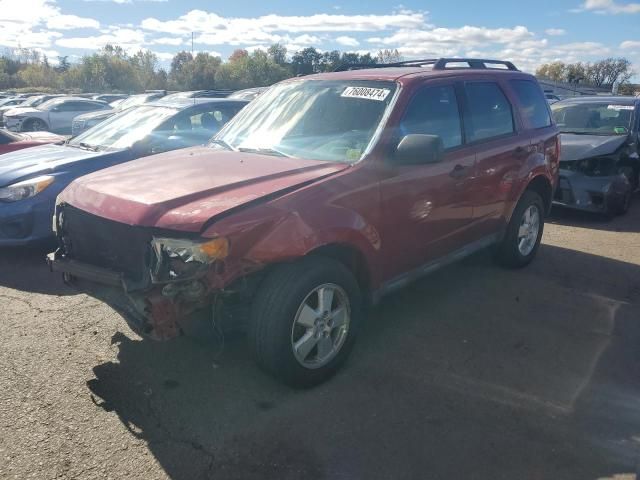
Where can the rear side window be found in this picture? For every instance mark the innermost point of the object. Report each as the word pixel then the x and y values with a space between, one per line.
pixel 434 111
pixel 534 106
pixel 488 112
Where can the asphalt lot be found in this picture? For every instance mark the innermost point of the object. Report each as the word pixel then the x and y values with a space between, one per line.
pixel 473 373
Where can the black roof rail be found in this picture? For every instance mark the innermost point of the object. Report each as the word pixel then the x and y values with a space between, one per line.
pixel 437 63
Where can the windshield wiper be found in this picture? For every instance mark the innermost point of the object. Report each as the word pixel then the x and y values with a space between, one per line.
pixel 224 144
pixel 264 151
pixel 87 146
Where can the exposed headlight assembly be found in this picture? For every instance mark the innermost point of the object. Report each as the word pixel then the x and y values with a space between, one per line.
pixel 25 189
pixel 183 259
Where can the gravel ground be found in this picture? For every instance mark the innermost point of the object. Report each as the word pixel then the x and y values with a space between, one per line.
pixel 474 372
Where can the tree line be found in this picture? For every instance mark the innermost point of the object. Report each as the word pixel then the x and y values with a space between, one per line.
pixel 112 69
pixel 603 73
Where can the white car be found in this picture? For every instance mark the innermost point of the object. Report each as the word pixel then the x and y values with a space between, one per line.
pixel 55 115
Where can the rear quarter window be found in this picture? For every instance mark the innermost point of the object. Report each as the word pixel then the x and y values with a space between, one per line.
pixel 533 105
pixel 488 113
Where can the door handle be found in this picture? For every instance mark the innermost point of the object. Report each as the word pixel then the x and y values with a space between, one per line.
pixel 459 171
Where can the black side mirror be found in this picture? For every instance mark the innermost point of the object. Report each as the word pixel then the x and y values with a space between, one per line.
pixel 417 149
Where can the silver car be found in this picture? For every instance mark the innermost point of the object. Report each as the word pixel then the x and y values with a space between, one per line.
pixel 54 115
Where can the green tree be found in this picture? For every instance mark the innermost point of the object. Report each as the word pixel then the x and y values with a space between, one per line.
pixel 63 64
pixel 278 54
pixel 254 70
pixel 388 56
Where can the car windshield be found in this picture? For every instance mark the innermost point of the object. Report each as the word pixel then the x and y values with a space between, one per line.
pixel 124 129
pixel 132 102
pixel 9 101
pixel 598 118
pixel 319 120
pixel 33 101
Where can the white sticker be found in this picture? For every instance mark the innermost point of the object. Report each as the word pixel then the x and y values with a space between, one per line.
pixel 620 107
pixel 368 93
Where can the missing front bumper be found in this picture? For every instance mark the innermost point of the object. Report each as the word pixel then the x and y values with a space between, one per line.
pixel 148 312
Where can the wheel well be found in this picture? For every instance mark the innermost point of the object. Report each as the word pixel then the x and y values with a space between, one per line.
pixel 542 187
pixel 350 257
pixel 30 120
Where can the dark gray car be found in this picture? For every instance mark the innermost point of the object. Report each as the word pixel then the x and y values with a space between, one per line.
pixel 599 158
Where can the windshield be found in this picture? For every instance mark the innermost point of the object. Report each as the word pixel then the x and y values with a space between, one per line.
pixel 319 120
pixel 132 102
pixel 598 118
pixel 124 129
pixel 33 101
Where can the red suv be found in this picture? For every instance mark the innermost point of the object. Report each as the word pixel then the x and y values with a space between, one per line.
pixel 320 197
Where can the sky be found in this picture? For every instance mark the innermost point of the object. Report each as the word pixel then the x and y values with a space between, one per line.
pixel 528 33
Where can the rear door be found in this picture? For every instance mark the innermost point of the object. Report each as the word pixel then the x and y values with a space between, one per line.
pixel 426 207
pixel 492 129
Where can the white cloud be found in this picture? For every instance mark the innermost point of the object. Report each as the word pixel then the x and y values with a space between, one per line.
pixel 130 40
pixel 608 7
pixel 69 22
pixel 347 41
pixel 630 45
pixel 211 24
pixel 175 41
pixel 33 23
pixel 554 32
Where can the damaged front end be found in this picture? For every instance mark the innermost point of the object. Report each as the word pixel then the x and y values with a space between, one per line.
pixel 592 184
pixel 155 281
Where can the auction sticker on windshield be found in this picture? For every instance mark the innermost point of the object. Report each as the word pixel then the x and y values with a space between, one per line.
pixel 368 93
pixel 620 107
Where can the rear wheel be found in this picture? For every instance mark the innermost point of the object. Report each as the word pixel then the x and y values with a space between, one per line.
pixel 34 125
pixel 524 232
pixel 304 320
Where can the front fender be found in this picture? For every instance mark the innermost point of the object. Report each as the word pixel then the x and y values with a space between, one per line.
pixel 265 236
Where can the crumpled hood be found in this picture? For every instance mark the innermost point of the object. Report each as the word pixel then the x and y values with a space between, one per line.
pixel 577 147
pixel 181 190
pixel 29 162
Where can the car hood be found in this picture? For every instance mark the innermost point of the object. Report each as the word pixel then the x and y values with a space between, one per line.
pixel 29 162
pixel 99 114
pixel 577 147
pixel 183 189
pixel 40 137
pixel 21 111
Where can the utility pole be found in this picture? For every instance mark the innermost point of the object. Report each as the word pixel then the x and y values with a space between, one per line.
pixel 192 44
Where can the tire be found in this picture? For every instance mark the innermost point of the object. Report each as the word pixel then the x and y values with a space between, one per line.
pixel 633 175
pixel 625 203
pixel 510 252
pixel 285 312
pixel 35 125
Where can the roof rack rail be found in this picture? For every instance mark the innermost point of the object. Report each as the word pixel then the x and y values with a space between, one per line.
pixel 437 63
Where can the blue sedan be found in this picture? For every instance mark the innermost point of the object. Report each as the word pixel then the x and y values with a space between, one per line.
pixel 30 180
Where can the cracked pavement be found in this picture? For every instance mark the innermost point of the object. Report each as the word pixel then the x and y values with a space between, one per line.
pixel 474 372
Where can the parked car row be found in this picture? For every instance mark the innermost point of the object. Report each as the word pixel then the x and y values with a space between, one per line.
pixel 75 114
pixel 315 200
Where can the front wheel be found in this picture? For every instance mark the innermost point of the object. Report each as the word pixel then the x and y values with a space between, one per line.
pixel 524 232
pixel 34 125
pixel 304 320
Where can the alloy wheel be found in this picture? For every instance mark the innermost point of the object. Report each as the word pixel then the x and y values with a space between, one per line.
pixel 321 326
pixel 529 229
